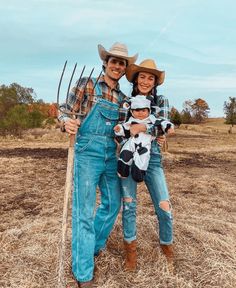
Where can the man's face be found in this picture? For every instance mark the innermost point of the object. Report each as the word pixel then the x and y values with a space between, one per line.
pixel 141 113
pixel 115 68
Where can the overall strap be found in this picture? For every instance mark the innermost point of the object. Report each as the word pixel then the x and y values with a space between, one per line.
pixel 121 97
pixel 98 92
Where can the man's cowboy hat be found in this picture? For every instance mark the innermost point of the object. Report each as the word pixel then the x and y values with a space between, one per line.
pixel 118 50
pixel 147 65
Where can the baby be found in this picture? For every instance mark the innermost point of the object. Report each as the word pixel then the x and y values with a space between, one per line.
pixel 135 153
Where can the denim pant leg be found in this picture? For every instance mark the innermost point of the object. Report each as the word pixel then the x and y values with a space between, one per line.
pixel 129 189
pixel 86 177
pixel 109 207
pixel 156 184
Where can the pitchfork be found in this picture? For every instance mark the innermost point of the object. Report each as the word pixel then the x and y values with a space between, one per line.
pixel 70 161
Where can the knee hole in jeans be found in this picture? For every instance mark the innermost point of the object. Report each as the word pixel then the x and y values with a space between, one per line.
pixel 165 205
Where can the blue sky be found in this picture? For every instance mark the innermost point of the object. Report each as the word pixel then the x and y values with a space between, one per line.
pixel 194 41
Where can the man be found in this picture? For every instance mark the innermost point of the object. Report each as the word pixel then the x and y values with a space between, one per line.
pixel 95 159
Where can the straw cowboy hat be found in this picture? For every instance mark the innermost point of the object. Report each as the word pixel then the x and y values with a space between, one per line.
pixel 117 50
pixel 148 65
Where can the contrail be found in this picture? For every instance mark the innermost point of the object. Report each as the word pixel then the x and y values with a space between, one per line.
pixel 168 25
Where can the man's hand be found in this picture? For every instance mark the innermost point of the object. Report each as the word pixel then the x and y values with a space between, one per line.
pixel 72 125
pixel 137 128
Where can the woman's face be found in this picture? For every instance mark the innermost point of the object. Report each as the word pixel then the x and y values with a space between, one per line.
pixel 145 82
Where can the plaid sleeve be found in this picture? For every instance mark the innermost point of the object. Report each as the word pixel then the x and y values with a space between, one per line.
pixel 163 103
pixel 163 112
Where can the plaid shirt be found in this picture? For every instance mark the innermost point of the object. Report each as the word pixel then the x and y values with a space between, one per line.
pixel 82 99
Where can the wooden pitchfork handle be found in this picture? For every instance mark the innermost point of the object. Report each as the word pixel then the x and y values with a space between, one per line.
pixel 69 171
pixel 68 187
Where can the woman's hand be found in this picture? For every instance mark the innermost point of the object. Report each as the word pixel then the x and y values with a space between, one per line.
pixel 137 128
pixel 72 125
pixel 171 131
pixel 161 140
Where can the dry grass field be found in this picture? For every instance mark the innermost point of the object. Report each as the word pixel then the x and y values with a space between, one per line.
pixel 200 167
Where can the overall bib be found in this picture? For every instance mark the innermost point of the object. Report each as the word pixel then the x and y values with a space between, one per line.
pixel 95 166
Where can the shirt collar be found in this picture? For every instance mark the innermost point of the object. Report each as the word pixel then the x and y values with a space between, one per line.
pixel 102 80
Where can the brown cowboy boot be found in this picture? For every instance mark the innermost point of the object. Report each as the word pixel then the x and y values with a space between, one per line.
pixel 168 252
pixel 130 255
pixel 88 284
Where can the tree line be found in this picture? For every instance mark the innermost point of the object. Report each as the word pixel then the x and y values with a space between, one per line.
pixel 195 112
pixel 20 110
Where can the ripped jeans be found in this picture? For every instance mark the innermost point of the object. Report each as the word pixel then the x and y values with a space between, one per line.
pixel 157 187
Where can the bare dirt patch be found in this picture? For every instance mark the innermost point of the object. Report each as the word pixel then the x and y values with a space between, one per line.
pixel 201 174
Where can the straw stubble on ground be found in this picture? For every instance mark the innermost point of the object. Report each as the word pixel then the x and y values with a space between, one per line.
pixel 201 174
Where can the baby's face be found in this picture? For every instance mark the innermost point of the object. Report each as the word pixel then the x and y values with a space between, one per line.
pixel 140 113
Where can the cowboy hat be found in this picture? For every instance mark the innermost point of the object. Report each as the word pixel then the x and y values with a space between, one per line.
pixel 118 50
pixel 147 65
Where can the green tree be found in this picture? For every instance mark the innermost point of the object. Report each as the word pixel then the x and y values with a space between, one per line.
pixel 8 99
pixel 16 120
pixel 186 115
pixel 13 95
pixel 25 95
pixel 19 118
pixel 175 116
pixel 230 111
pixel 35 119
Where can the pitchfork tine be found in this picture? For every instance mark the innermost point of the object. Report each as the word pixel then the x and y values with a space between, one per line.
pixel 59 85
pixel 88 79
pixel 68 90
pixel 97 80
pixel 81 74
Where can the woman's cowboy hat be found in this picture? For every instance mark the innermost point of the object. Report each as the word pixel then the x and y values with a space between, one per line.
pixel 147 65
pixel 117 50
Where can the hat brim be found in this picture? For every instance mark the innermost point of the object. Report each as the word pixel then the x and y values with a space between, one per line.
pixel 103 53
pixel 133 69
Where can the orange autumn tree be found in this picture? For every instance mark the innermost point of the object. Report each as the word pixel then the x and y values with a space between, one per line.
pixel 197 111
pixel 200 110
pixel 47 109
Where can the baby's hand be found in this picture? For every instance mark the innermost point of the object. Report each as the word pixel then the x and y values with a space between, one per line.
pixel 117 128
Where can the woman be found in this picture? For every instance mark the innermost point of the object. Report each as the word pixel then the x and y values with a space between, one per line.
pixel 145 79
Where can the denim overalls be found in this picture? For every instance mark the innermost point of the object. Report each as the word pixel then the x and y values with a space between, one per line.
pixel 95 166
pixel 156 184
